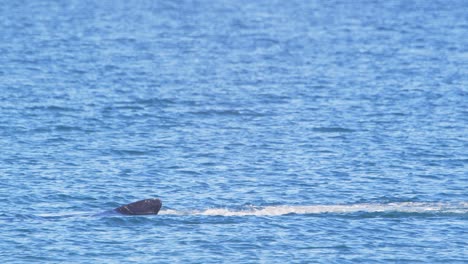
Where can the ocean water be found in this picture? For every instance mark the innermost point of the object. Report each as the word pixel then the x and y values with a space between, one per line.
pixel 273 131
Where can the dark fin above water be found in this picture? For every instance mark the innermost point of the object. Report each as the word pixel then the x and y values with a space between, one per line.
pixel 143 207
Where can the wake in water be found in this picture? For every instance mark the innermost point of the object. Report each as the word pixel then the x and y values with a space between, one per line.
pixel 278 210
pixel 402 207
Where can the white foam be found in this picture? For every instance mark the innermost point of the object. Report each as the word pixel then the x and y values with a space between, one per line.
pixel 405 207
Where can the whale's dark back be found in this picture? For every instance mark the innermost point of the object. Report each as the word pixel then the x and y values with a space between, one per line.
pixel 143 207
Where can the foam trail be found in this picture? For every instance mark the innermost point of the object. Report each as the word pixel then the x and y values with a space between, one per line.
pixel 404 207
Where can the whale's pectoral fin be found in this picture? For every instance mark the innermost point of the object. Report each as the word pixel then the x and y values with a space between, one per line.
pixel 143 207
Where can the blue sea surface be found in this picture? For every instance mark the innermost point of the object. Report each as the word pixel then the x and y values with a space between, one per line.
pixel 273 131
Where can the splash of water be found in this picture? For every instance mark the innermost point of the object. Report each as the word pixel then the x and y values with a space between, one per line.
pixel 403 207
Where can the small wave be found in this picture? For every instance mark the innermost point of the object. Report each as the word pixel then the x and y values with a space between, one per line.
pixel 227 112
pixel 53 108
pixel 403 207
pixel 333 130
pixel 129 152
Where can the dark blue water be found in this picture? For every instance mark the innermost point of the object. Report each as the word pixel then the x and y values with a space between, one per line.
pixel 273 131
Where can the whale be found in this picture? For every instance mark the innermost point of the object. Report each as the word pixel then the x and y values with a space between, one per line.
pixel 142 207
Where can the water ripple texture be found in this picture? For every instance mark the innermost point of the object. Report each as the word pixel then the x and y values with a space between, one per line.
pixel 273 131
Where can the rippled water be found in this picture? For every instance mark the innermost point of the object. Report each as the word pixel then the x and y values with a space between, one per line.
pixel 273 131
